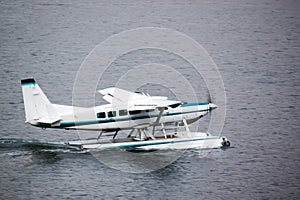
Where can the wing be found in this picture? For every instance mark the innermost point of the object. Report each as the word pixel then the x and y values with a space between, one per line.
pixel 153 104
pixel 136 101
pixel 119 95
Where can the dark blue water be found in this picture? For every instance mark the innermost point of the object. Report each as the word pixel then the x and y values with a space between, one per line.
pixel 256 47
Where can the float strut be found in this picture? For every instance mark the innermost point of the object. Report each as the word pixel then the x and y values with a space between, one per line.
pixel 115 134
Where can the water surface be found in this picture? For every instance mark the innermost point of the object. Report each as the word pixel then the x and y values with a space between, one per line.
pixel 256 47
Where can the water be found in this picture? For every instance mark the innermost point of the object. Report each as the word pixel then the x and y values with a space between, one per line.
pixel 256 47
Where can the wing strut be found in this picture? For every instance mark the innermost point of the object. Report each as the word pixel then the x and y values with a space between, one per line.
pixel 161 110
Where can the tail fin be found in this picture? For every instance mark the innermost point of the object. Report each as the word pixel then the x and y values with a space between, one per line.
pixel 38 108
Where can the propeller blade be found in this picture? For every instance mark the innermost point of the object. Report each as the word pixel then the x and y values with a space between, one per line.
pixel 208 98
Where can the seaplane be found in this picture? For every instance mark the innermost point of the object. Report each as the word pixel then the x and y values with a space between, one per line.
pixel 137 113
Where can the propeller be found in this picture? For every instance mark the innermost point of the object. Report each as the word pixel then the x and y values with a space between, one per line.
pixel 208 97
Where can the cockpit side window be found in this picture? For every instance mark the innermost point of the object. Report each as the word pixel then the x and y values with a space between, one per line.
pixel 135 112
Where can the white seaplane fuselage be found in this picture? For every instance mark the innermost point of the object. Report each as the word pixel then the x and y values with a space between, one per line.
pixel 126 110
pixel 109 118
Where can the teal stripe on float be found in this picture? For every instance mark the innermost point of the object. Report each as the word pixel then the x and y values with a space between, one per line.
pixel 150 143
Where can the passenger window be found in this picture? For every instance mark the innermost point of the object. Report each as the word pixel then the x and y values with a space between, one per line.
pixel 135 112
pixel 101 115
pixel 123 112
pixel 111 113
pixel 149 110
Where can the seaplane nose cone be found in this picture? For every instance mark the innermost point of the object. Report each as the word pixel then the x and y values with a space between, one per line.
pixel 212 106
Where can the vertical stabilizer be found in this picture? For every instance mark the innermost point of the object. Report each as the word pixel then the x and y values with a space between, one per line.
pixel 38 108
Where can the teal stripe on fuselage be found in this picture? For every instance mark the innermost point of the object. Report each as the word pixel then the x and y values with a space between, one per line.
pixel 194 104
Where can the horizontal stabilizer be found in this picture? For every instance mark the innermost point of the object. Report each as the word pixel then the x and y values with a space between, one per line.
pixel 48 121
